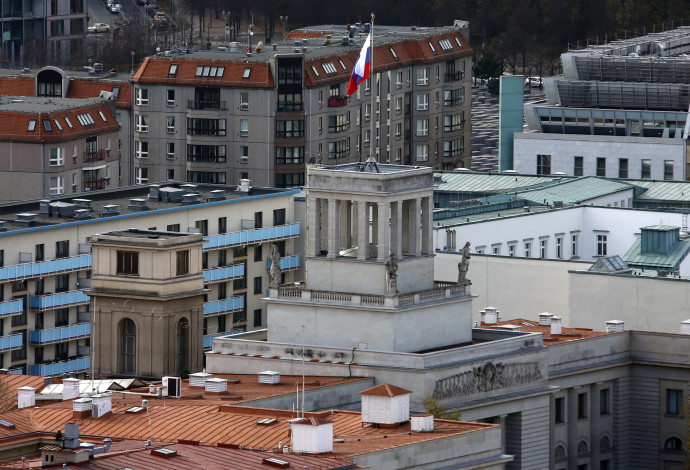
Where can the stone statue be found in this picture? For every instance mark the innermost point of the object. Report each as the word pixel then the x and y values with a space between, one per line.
pixel 391 275
pixel 275 267
pixel 464 265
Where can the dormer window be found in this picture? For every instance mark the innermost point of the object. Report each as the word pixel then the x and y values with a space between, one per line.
pixel 32 125
pixel 47 126
pixel 246 73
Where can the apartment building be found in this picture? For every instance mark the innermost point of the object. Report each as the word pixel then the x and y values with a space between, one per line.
pixel 220 116
pixel 45 309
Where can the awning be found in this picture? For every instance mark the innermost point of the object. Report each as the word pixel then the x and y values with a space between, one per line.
pixel 99 167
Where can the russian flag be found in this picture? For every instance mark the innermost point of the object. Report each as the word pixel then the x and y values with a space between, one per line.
pixel 361 71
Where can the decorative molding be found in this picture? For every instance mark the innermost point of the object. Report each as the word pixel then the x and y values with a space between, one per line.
pixel 486 378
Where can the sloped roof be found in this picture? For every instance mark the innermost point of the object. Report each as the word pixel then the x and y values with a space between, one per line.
pixel 91 89
pixel 156 70
pixel 635 258
pixel 312 421
pixel 678 191
pixel 385 390
pixel 488 183
pixel 574 191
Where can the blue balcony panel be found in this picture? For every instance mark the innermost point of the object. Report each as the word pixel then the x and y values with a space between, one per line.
pixel 246 237
pixel 208 339
pixel 79 364
pixel 221 307
pixel 287 263
pixel 11 308
pixel 45 268
pixel 57 335
pixel 226 273
pixel 60 300
pixel 8 343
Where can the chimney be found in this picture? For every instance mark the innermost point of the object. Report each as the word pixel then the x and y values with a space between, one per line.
pixel 244 186
pixel 70 389
pixel 545 318
pixel 102 404
pixel 422 423
pixel 81 408
pixel 71 435
pixel 385 404
pixel 685 327
pixel 614 326
pixel 26 397
pixel 555 325
pixel 483 316
pixel 312 435
pixel 491 315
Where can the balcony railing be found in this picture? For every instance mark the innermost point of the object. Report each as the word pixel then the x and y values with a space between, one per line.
pixel 455 77
pixel 44 268
pixel 96 184
pixel 8 343
pixel 227 273
pixel 75 365
pixel 63 299
pixel 11 308
pixel 287 263
pixel 199 104
pixel 245 237
pixel 208 339
pixel 95 155
pixel 58 335
pixel 221 307
pixel 336 101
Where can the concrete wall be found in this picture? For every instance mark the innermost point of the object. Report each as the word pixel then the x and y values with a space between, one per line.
pixel 512 97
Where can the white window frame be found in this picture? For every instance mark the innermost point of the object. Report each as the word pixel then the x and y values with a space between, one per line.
pixel 168 101
pixel 57 185
pixel 367 111
pixel 139 149
pixel 168 154
pixel 422 152
pixel 573 244
pixel 58 158
pixel 170 124
pixel 422 127
pixel 398 129
pixel 139 177
pixel 398 154
pixel 141 123
pixel 422 101
pixel 142 96
pixel 422 76
pixel 559 247
pixel 244 127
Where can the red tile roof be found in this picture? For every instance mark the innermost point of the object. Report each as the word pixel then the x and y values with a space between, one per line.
pixel 17 86
pixel 292 35
pixel 385 390
pixel 92 88
pixel 531 326
pixel 155 70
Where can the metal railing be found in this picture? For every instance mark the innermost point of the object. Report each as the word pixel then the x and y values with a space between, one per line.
pixel 57 368
pixel 287 262
pixel 95 155
pixel 62 299
pixel 29 270
pixel 226 273
pixel 221 307
pixel 245 237
pixel 200 104
pixel 57 335
pixel 8 343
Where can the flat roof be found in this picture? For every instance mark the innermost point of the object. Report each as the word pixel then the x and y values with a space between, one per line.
pixel 532 326
pixel 42 104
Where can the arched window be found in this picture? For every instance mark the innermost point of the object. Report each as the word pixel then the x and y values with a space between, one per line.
pixel 605 444
pixel 673 443
pixel 182 346
pixel 128 335
pixel 560 453
pixel 582 448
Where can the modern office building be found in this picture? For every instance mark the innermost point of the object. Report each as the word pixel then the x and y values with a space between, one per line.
pixel 219 116
pixel 46 311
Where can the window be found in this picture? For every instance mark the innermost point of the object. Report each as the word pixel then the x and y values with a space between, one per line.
pixel 222 290
pixel 212 177
pixel 453 148
pixel 289 129
pixel 57 185
pixel 61 317
pixel 278 217
pixel 674 402
pixel 182 262
pixel 581 406
pixel 222 225
pixel 128 262
pixel 202 226
pixel 170 95
pixel 222 258
pixel 398 155
pixel 668 170
pixel 170 174
pixel 573 245
pixel 210 71
pixel 170 150
pixel 173 228
pixel 528 249
pixel 244 100
pixel 244 127
pixel 257 285
pixel 601 167
pixel 367 136
pixel 142 96
pixel 128 337
pixel 601 245
pixel 258 317
pixel 559 247
pixel 398 129
pixel 543 164
pixel 289 155
pixel 40 252
pixel 646 169
pixel 62 283
pixel 141 123
pixel 57 156
pixel 542 248
pixel 289 180
pixel 511 250
pixel 258 219
pixel 604 401
pixel 258 253
pixel 338 149
pixel 422 153
pixel 141 149
pixel 422 127
pixel 454 97
pixel 141 175
pixel 62 249
pixel 559 410
pixel 496 250
pixel 673 444
pixel 622 167
pixel 452 122
pixel 423 101
pixel 422 76
pixel 398 105
pixel 170 124
pixel 206 153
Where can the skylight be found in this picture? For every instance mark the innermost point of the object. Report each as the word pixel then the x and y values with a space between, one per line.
pixel 32 125
pixel 445 44
pixel 172 71
pixel 100 113
pixel 247 72
pixel 7 424
pixel 46 125
pixel 394 54
pixel 85 119
pixel 329 68
pixel 433 49
pixel 458 41
pixel 209 71
pixel 69 123
pixel 315 71
pixel 342 65
pixel 57 124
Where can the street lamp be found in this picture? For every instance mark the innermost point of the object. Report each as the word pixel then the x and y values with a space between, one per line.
pixel 283 19
pixel 132 54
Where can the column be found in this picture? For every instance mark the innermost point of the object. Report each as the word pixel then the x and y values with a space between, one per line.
pixel 384 231
pixel 313 226
pixel 333 227
pixel 427 224
pixel 397 233
pixel 362 229
pixel 346 224
pixel 416 224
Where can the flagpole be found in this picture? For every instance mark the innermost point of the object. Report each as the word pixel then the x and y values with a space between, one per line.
pixel 372 138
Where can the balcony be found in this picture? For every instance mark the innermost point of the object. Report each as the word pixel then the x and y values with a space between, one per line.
pixel 227 273
pixel 61 300
pixel 11 308
pixel 59 335
pixel 336 101
pixel 8 343
pixel 96 155
pixel 193 104
pixel 208 339
pixel 408 134
pixel 80 364
pixel 30 270
pixel 246 237
pixel 222 307
pixel 287 263
pixel 96 184
pixel 454 77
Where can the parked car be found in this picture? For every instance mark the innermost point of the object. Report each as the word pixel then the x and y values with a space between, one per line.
pixel 98 28
pixel 115 8
pixel 534 82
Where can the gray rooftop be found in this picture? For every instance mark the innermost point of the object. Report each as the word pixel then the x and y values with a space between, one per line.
pixel 41 104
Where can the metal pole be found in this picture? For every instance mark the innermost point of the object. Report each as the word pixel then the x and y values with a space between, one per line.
pixel 372 154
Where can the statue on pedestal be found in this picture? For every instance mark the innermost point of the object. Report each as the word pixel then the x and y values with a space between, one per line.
pixel 464 265
pixel 275 272
pixel 391 275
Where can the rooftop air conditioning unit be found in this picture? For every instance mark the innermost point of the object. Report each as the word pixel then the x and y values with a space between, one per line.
pixel 44 207
pixel 138 204
pixel 26 218
pixel 422 423
pixel 216 385
pixel 189 188
pixel 171 194
pixel 217 195
pixel 154 192
pixel 3 226
pixel 269 377
pixel 613 326
pixel 82 214
pixel 190 198
pixel 111 209
pixel 82 203
pixel 172 387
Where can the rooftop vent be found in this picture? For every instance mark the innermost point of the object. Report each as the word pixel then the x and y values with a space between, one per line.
pixel 422 423
pixel 685 327
pixel 296 50
pixel 215 385
pixel 165 453
pixel 26 397
pixel 154 192
pixel 26 218
pixel 63 209
pixel 82 404
pixel 385 404
pixel 509 327
pixel 82 203
pixel 346 41
pixel 198 379
pixel 269 377
pixel 102 404
pixel 217 195
pixel 44 207
pixel 190 198
pixel 71 435
pixel 244 186
pixel 189 188
pixel 274 462
pixel 70 389
pixel 312 435
pixel 613 326
pixel 138 204
pixel 545 318
pixel 3 226
pixel 111 209
pixel 170 194
pixel 82 214
pixel 490 315
pixel 555 325
pixel 297 43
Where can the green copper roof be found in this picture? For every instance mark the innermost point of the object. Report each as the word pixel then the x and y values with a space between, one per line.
pixel 574 191
pixel 663 190
pixel 489 183
pixel 636 259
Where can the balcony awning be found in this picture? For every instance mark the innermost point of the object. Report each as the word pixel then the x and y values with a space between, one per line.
pixel 99 167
